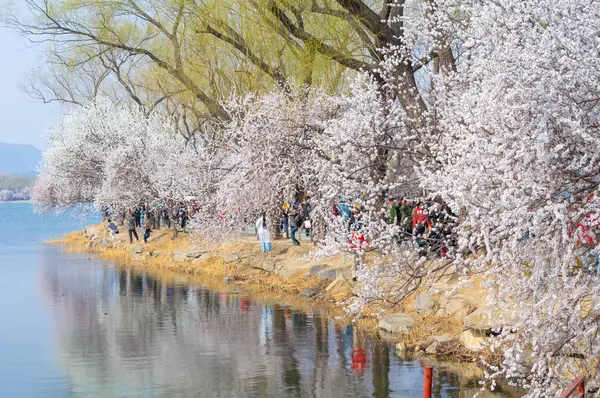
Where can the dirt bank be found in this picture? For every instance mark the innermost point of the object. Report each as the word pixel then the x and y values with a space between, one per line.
pixel 428 323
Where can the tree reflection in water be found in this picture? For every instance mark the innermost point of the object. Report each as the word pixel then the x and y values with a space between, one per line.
pixel 125 333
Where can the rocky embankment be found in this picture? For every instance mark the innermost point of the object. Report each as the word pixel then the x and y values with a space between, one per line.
pixel 432 322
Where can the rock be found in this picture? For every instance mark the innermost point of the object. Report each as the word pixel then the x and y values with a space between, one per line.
pixel 396 324
pixel 339 289
pixel 118 244
pixel 457 305
pixel 266 265
pixel 432 349
pixel 231 258
pixel 309 292
pixel 228 279
pixel 138 249
pixel 472 339
pixel 89 245
pixel 105 244
pixel 314 270
pixel 441 339
pixel 139 256
pixel 191 254
pixel 401 347
pixel 179 255
pixel 423 304
pixel 327 275
pixel 156 253
pixel 479 320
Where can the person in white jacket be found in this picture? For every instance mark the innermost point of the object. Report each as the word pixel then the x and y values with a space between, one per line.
pixel 264 236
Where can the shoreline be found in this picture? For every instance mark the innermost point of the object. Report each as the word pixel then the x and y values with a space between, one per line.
pixel 426 324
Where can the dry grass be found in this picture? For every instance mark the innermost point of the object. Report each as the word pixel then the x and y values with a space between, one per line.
pixel 430 325
pixel 73 242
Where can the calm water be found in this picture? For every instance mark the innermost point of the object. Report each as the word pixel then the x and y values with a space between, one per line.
pixel 73 326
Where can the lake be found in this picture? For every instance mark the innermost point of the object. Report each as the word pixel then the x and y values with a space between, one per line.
pixel 75 326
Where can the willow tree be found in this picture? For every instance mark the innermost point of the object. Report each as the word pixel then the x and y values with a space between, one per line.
pixel 209 49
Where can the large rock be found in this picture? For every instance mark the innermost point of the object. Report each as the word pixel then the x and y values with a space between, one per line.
pixel 327 275
pixel 401 347
pixel 195 254
pixel 314 270
pixel 485 323
pixel 423 303
pixel 457 305
pixel 309 292
pixel 268 265
pixel 339 289
pixel 432 349
pixel 105 244
pixel 396 324
pixel 231 257
pixel 179 256
pixel 89 233
pixel 138 249
pixel 140 256
pixel 472 339
pixel 441 339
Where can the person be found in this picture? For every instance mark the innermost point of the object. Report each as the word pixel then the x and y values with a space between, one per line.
pixel 344 209
pixel 394 211
pixel 131 221
pixel 112 228
pixel 285 219
pixel 184 219
pixel 105 212
pixel 420 215
pixel 408 215
pixel 264 236
pixel 174 214
pixel 307 208
pixel 146 228
pixel 294 219
pixel 138 217
pixel 166 218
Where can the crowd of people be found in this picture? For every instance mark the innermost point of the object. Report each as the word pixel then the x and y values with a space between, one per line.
pixel 148 218
pixel 429 224
pixel 425 224
pixel 295 214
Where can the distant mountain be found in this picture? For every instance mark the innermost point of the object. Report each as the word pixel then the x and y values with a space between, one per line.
pixel 19 159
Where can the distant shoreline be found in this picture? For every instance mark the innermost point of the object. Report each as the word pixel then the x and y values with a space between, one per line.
pixel 15 201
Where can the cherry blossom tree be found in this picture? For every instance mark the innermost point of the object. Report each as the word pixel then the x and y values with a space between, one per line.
pixel 520 152
pixel 120 155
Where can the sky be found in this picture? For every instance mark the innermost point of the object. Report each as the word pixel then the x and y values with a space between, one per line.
pixel 23 119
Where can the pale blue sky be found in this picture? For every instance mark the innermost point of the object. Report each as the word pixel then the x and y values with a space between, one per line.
pixel 23 120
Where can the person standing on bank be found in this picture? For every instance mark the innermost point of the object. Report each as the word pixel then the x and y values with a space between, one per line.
pixel 295 221
pixel 307 210
pixel 146 228
pixel 264 236
pixel 131 221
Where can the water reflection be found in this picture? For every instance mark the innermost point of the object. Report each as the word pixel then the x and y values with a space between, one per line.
pixel 124 333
